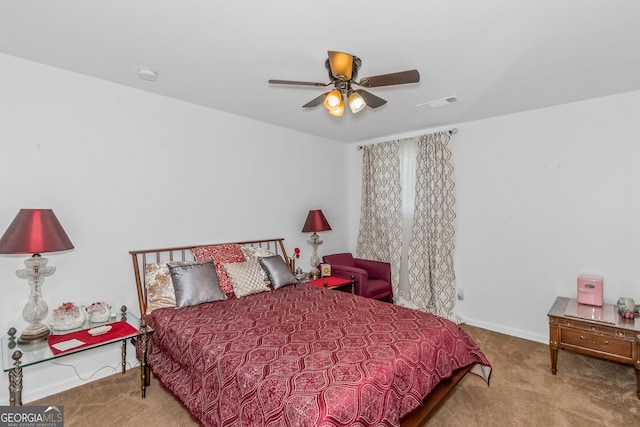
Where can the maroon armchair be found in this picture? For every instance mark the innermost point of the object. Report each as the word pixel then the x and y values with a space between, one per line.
pixel 373 278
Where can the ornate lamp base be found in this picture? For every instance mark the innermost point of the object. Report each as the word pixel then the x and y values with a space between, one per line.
pixel 36 308
pixel 28 337
pixel 315 259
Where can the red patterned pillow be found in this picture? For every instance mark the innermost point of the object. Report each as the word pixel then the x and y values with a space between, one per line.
pixel 221 255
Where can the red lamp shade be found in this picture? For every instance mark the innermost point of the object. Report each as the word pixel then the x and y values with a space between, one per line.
pixel 34 231
pixel 315 222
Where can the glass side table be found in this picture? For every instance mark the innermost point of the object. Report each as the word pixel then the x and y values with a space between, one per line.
pixel 16 356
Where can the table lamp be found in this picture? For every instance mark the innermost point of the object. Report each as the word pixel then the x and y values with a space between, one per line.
pixel 315 222
pixel 35 231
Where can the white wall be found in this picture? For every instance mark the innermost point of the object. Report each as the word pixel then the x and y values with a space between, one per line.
pixel 124 169
pixel 542 196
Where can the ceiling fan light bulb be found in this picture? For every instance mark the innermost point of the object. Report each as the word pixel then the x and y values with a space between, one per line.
pixel 333 99
pixel 356 102
pixel 333 102
pixel 337 111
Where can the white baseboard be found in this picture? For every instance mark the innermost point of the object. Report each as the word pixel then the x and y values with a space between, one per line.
pixel 490 326
pixel 508 331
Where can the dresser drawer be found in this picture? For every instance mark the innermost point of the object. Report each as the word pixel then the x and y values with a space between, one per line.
pixel 610 330
pixel 597 342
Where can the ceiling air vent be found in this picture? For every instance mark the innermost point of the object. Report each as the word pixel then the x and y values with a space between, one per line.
pixel 440 102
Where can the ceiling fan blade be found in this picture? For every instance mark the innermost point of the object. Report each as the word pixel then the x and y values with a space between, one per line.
pixel 411 76
pixel 293 82
pixel 371 100
pixel 315 101
pixel 341 65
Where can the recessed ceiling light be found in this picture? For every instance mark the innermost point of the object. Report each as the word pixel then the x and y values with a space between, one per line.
pixel 440 102
pixel 147 74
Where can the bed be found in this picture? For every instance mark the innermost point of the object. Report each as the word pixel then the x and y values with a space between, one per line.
pixel 294 354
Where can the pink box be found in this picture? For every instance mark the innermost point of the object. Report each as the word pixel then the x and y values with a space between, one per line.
pixel 590 290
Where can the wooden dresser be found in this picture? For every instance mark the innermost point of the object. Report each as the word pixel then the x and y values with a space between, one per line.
pixel 619 342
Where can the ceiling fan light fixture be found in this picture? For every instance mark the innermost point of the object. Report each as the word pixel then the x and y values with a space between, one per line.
pixel 333 99
pixel 341 65
pixel 343 69
pixel 337 111
pixel 356 102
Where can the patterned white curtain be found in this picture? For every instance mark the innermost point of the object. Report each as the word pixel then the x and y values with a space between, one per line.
pixel 380 233
pixel 430 259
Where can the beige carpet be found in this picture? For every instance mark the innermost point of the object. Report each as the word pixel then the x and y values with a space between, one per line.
pixel 522 392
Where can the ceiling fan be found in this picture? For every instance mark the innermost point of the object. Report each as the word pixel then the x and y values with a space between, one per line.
pixel 343 70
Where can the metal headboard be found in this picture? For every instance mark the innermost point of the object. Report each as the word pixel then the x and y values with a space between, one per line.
pixel 141 258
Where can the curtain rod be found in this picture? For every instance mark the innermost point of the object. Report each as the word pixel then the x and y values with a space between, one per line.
pixel 451 132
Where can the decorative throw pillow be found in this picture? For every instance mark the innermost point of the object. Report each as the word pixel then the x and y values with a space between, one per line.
pixel 246 277
pixel 159 286
pixel 278 271
pixel 255 252
pixel 221 255
pixel 195 283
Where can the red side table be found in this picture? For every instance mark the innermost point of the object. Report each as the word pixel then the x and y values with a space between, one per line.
pixel 331 282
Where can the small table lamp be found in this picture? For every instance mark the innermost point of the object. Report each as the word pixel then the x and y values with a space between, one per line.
pixel 34 231
pixel 315 222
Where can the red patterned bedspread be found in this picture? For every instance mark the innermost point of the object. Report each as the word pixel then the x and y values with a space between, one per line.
pixel 304 356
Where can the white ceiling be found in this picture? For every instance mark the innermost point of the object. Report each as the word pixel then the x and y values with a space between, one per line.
pixel 497 56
